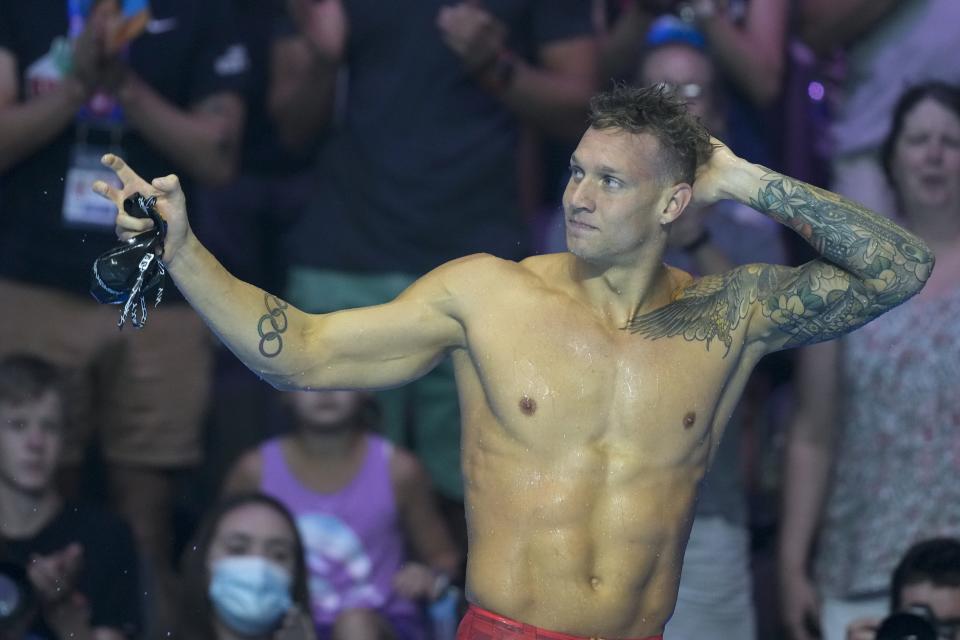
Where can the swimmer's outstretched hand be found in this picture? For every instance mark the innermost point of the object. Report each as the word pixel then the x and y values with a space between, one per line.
pixel 171 204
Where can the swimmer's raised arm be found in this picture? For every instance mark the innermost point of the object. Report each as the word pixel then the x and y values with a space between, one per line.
pixel 869 265
pixel 373 347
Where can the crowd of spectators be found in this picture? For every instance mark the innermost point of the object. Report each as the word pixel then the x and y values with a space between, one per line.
pixel 335 151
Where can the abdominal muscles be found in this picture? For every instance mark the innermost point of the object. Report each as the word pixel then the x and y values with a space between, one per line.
pixel 585 544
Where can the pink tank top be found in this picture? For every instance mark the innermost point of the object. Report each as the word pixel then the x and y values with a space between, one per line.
pixel 353 538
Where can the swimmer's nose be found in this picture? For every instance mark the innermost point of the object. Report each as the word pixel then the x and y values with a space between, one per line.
pixel 581 196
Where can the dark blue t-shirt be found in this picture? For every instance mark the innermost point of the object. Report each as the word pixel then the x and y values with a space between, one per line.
pixel 422 169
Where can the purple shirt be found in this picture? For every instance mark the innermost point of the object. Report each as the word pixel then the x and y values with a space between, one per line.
pixel 353 538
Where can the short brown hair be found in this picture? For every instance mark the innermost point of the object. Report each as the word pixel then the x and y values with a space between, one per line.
pixel 654 109
pixel 25 377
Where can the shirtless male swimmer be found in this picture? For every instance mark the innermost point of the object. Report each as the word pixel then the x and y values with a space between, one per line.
pixel 594 384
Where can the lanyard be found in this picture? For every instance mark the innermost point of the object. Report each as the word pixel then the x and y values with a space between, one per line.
pixel 77 12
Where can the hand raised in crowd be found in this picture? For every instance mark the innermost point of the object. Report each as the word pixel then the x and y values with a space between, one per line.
pixel 96 60
pixel 171 204
pixel 863 629
pixel 88 54
pixel 799 606
pixel 416 581
pixel 297 625
pixel 324 24
pixel 54 577
pixel 474 34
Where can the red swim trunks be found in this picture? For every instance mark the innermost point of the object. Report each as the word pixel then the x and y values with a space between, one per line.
pixel 480 624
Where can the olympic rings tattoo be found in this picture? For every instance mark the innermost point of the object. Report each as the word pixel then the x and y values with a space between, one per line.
pixel 277 321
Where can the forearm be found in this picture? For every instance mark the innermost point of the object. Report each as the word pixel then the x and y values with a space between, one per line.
pixel 553 102
pixel 264 332
pixel 827 24
pixel 302 93
pixel 891 263
pixel 29 126
pixel 205 145
pixel 805 486
pixel 754 63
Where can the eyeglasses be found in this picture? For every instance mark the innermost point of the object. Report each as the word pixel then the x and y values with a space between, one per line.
pixel 687 91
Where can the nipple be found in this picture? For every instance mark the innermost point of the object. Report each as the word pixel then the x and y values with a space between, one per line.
pixel 528 405
pixel 690 419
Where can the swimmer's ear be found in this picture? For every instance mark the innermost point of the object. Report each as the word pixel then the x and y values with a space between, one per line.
pixel 676 200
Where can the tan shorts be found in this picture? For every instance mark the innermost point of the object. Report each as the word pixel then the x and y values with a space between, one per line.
pixel 142 392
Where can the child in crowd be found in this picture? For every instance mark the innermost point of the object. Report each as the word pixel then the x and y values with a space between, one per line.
pixel 359 502
pixel 81 562
pixel 244 575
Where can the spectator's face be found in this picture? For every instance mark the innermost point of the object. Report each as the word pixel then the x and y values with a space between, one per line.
pixel 926 158
pixel 326 410
pixel 689 73
pixel 31 437
pixel 254 530
pixel 617 197
pixel 944 602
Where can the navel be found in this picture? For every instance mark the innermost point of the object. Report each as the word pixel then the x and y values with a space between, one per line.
pixel 528 405
pixel 690 419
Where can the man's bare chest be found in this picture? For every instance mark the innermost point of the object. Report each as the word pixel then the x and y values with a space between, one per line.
pixel 561 376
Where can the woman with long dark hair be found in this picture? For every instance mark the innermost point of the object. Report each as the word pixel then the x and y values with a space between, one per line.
pixel 244 575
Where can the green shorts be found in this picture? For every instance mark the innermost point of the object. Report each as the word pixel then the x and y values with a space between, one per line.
pixel 423 416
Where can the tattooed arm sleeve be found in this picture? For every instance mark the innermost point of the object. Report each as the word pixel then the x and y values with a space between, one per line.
pixel 869 266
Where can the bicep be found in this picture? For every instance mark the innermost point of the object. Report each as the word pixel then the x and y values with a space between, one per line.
pixel 797 306
pixel 385 345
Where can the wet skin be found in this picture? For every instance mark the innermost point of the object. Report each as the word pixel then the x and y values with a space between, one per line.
pixel 584 446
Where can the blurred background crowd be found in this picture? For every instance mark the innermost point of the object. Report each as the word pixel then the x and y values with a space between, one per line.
pixel 335 150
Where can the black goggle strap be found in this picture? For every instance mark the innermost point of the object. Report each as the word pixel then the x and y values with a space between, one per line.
pixel 136 307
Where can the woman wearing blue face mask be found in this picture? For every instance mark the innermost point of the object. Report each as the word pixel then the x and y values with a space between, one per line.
pixel 244 575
